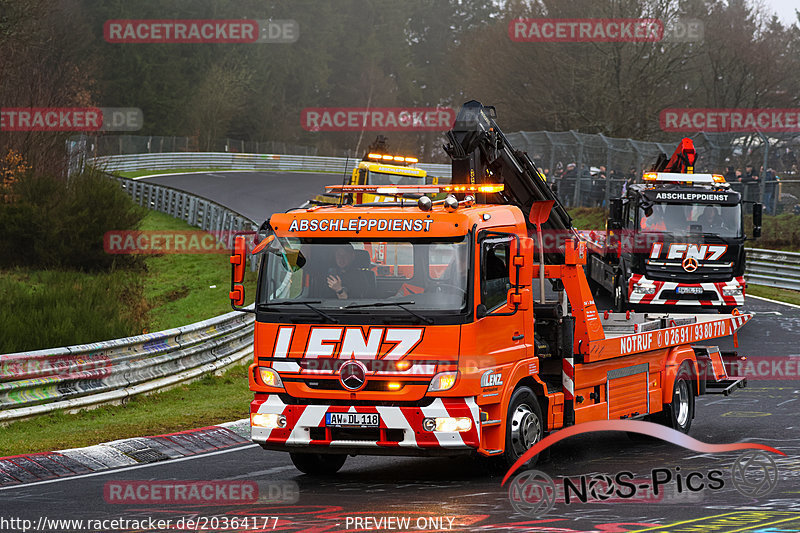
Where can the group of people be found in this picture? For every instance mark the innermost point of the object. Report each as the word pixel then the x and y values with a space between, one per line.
pixel 592 183
pixel 750 184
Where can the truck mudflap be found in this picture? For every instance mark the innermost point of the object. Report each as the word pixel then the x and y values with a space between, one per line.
pixel 642 290
pixel 398 428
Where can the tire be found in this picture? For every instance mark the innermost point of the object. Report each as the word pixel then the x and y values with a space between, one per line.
pixel 726 310
pixel 679 413
pixel 524 426
pixel 318 464
pixel 620 296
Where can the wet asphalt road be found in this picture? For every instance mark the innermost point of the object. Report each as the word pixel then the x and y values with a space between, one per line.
pixel 456 494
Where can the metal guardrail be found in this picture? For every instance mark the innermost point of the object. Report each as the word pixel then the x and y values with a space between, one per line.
pixel 235 161
pixel 74 377
pixel 41 381
pixel 195 210
pixel 773 268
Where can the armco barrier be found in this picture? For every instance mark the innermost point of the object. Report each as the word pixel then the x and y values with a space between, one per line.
pixel 37 382
pixel 195 210
pixel 79 376
pixel 773 268
pixel 224 160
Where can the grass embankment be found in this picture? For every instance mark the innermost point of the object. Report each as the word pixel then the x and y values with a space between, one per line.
pixel 183 288
pixel 50 308
pixel 781 232
pixel 208 401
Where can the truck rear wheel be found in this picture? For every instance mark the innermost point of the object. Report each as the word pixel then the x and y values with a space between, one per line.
pixel 524 425
pixel 318 463
pixel 620 296
pixel 679 413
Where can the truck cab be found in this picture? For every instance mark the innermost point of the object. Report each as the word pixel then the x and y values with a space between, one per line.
pixel 675 239
pixel 378 168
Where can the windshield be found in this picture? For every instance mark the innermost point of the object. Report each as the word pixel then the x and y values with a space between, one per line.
pixel 338 273
pixel 684 219
pixel 381 178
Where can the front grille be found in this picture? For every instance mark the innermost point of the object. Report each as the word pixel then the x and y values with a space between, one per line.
pixel 333 384
pixel 357 434
pixel 425 401
pixel 676 272
pixel 673 295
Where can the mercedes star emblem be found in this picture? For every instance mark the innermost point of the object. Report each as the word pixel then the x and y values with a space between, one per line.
pixel 353 375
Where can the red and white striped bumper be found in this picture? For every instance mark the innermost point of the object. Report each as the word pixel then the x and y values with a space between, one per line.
pixel 400 427
pixel 665 292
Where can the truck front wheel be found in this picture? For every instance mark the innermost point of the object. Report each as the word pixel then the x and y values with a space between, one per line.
pixel 318 463
pixel 679 413
pixel 524 425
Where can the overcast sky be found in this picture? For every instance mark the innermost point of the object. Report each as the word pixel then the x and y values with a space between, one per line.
pixel 784 9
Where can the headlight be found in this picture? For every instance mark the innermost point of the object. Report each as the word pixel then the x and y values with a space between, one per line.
pixel 644 289
pixel 731 291
pixel 443 381
pixel 447 424
pixel 267 420
pixel 270 377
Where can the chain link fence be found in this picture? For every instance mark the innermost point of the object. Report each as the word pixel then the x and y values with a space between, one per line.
pixel 586 170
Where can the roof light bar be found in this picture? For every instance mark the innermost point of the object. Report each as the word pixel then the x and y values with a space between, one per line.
pixel 486 188
pixel 388 157
pixel 415 189
pixel 677 177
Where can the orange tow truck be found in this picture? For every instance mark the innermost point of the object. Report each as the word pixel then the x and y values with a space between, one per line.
pixel 448 327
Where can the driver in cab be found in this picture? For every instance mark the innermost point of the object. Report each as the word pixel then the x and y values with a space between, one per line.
pixel 345 280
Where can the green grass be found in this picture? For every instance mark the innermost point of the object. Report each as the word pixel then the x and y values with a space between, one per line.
pixel 586 218
pixel 46 309
pixel 782 295
pixel 138 173
pixel 183 288
pixel 208 401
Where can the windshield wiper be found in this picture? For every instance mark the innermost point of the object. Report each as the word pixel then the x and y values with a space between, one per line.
pixel 307 303
pixel 401 305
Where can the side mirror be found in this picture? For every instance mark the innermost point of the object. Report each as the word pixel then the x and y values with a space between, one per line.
pixel 757 212
pixel 518 298
pixel 481 311
pixel 238 261
pixel 615 211
pixel 521 264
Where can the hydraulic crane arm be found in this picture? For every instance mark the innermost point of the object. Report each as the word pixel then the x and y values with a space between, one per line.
pixel 482 154
pixel 682 160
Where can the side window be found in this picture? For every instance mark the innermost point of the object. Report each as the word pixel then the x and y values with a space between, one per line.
pixel 495 281
pixel 631 212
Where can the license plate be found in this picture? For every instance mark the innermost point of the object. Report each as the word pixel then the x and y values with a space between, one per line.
pixel 689 290
pixel 361 420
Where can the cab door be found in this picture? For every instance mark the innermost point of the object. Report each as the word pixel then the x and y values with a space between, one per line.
pixel 501 337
